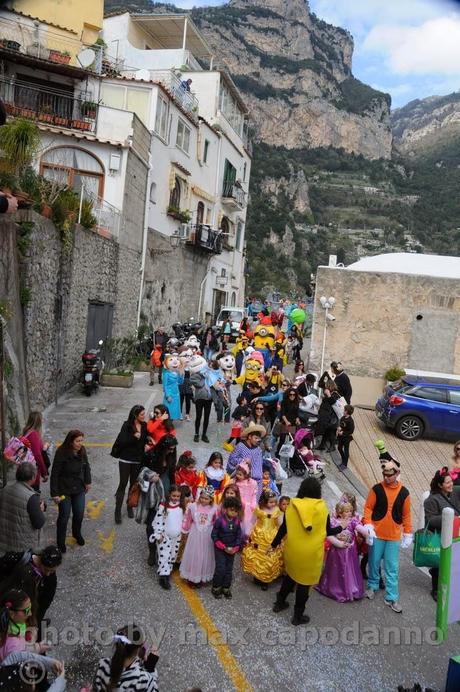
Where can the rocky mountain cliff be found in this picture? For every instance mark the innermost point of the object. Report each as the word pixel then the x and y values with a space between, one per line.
pixel 295 71
pixel 427 126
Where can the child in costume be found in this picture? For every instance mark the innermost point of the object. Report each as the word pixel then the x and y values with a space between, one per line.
pixel 214 474
pixel 248 494
pixel 283 503
pixel 268 478
pixel 231 490
pixel 156 364
pixel 264 566
pixel 241 412
pixel 172 378
pixel 166 531
pixel 186 473
pixel 198 562
pixel 303 442
pixel 152 494
pixel 185 499
pixel 227 536
pixel 341 578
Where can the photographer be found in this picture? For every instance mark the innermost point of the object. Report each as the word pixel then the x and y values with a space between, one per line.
pixel 21 512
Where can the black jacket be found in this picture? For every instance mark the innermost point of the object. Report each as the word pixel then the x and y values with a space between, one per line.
pixel 344 386
pixel 436 502
pixel 129 447
pixel 327 417
pixel 70 472
pixel 347 425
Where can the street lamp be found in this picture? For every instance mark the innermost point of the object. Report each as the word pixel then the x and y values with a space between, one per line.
pixel 174 240
pixel 327 304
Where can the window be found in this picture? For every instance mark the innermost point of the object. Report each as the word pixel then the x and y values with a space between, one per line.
pixel 199 213
pixel 245 168
pixel 205 150
pixel 153 193
pixel 230 109
pixel 183 136
pixel 430 393
pixel 74 167
pixel 229 179
pixel 161 118
pixel 127 98
pixel 174 198
pixel 454 397
pixel 239 235
pixel 233 299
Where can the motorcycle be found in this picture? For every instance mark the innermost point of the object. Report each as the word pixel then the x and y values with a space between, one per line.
pixel 92 369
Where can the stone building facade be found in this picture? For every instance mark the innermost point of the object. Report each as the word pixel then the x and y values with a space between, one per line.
pixel 383 319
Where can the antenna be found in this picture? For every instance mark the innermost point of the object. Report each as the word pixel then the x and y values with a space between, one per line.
pixel 86 57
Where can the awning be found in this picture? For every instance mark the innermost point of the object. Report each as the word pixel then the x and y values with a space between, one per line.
pixel 167 31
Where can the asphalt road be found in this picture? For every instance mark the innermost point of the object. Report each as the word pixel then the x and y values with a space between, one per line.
pixel 221 645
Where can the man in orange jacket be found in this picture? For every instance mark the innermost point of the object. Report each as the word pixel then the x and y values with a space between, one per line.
pixel 388 520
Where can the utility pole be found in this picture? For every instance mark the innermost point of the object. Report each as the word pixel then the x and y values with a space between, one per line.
pixel 2 400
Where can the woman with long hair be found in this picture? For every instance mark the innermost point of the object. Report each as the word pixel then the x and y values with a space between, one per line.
pixel 130 667
pixel 69 483
pixel 33 433
pixel 129 449
pixel 259 416
pixel 328 421
pixel 289 415
pixel 160 424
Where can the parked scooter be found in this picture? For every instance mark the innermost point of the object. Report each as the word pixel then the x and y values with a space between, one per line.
pixel 93 366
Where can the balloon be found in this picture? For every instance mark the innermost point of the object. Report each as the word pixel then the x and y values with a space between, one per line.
pixel 297 316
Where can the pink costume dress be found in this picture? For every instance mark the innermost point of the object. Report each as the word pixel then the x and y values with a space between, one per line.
pixel 248 491
pixel 341 578
pixel 198 562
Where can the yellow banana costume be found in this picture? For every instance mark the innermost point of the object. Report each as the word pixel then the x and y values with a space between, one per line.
pixel 306 532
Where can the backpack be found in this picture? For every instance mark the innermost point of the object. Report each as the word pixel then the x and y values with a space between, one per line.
pixel 12 559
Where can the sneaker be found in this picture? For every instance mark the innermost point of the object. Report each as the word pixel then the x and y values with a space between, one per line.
pixel 196 438
pixel 279 606
pixel 228 447
pixel 205 438
pixel 216 591
pixel 300 620
pixel 370 594
pixel 394 605
pixel 227 593
pixel 187 417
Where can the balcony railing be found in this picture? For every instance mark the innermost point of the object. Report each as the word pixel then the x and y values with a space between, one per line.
pixel 108 217
pixel 177 87
pixel 51 108
pixel 204 237
pixel 234 194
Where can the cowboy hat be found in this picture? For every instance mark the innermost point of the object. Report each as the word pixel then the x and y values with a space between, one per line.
pixel 253 428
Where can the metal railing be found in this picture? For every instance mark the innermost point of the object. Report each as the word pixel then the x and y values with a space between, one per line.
pixel 39 40
pixel 176 86
pixel 108 218
pixel 205 237
pixel 48 107
pixel 233 191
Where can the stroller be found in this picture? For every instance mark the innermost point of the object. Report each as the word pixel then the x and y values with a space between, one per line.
pixel 296 464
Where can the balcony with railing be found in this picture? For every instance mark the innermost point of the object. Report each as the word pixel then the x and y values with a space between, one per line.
pixel 178 88
pixel 203 237
pixel 108 218
pixel 233 195
pixel 48 107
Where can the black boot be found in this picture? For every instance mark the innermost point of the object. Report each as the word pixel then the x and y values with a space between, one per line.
pixel 130 511
pixel 299 618
pixel 278 606
pixel 164 583
pixel 117 515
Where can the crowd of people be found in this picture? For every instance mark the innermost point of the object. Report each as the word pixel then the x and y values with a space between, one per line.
pixel 202 516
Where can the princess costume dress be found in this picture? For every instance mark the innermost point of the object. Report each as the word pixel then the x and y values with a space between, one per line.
pixel 198 561
pixel 266 567
pixel 341 578
pixel 248 493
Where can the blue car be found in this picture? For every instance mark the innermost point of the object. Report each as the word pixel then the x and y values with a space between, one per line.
pixel 416 406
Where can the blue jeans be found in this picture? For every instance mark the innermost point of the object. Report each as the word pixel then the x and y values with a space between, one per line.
pixel 224 569
pixel 388 551
pixel 76 503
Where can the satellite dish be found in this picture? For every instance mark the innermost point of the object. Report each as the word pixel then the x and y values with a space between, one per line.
pixel 86 57
pixel 142 74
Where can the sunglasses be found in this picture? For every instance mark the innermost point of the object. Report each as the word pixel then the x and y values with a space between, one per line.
pixel 26 611
pixel 291 396
pixel 259 408
pixel 285 384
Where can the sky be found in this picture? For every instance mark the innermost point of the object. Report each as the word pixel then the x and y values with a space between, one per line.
pixel 408 48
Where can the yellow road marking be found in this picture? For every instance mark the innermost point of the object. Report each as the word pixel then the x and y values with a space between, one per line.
pixel 107 541
pixel 225 656
pixel 94 508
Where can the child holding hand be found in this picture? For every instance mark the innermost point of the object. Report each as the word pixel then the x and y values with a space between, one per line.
pixel 227 535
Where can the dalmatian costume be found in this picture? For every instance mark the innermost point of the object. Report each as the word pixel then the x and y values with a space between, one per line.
pixel 167 525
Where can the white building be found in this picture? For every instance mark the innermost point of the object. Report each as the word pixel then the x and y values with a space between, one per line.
pixel 200 160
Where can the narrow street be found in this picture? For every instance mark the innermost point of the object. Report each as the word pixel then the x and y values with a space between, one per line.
pixel 219 644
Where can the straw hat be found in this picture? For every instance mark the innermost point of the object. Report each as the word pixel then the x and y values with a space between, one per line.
pixel 253 428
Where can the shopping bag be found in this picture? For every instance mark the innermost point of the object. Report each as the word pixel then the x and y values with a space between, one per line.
pixel 287 450
pixel 16 451
pixel 427 548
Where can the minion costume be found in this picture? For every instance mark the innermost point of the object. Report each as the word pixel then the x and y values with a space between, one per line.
pixel 305 527
pixel 264 339
pixel 253 370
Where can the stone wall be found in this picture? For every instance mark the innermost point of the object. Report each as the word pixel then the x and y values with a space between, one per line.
pixel 172 281
pixel 386 319
pixel 60 286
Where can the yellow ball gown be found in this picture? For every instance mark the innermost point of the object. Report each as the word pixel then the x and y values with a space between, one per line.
pixel 254 559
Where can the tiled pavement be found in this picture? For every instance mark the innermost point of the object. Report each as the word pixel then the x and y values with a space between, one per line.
pixel 419 459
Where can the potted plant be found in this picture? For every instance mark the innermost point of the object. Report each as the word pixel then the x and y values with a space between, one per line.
pixel 394 374
pixel 89 109
pixel 119 354
pixel 61 120
pixel 62 57
pixel 19 143
pixel 175 213
pixel 48 192
pixel 45 114
pixel 87 218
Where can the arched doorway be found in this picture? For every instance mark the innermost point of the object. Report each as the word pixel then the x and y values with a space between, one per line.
pixel 233 299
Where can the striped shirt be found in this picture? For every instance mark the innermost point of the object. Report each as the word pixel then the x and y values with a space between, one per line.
pixel 133 679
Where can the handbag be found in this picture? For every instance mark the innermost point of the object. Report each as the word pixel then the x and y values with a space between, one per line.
pixel 339 407
pixel 134 495
pixel 287 450
pixel 427 548
pixel 17 452
pixel 116 450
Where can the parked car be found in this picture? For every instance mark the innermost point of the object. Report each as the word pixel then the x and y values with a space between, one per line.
pixel 416 406
pixel 235 315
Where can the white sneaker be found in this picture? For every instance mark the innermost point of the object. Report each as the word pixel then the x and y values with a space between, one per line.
pixel 370 594
pixel 394 605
